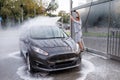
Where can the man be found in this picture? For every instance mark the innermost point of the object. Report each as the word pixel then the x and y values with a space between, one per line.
pixel 77 30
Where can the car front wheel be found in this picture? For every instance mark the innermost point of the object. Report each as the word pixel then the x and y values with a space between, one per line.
pixel 30 69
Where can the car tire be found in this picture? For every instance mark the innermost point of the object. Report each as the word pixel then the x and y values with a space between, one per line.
pixel 21 53
pixel 80 58
pixel 28 61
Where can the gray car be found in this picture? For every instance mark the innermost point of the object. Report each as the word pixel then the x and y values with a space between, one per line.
pixel 49 48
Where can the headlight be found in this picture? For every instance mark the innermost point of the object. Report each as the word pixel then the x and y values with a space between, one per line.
pixel 38 50
pixel 77 48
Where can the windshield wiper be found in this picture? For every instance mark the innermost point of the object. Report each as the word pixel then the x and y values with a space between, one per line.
pixel 57 37
pixel 49 38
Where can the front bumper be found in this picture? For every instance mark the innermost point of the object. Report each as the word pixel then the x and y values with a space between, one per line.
pixel 55 62
pixel 55 69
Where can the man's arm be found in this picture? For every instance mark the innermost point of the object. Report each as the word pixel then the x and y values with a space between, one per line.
pixel 78 13
pixel 72 18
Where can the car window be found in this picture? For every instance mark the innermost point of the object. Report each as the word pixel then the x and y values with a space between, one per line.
pixel 59 33
pixel 47 32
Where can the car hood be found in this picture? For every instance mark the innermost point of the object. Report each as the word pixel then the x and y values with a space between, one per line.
pixel 55 45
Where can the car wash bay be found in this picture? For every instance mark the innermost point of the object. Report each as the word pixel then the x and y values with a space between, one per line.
pixel 13 66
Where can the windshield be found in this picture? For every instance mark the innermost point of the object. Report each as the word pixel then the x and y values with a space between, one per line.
pixel 47 32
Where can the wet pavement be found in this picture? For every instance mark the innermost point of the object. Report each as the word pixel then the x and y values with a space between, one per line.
pixel 13 67
pixel 105 69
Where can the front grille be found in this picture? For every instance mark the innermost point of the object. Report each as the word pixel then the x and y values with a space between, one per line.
pixel 62 57
pixel 64 64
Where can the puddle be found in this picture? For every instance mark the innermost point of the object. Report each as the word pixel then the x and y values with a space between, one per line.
pixel 26 75
pixel 86 68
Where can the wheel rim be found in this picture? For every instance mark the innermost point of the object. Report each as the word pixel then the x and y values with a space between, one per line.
pixel 28 63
